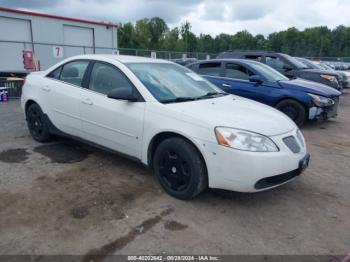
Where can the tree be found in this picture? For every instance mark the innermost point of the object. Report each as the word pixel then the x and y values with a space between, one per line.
pixel 312 42
pixel 142 34
pixel 157 29
pixel 205 43
pixel 184 30
pixel 243 40
pixel 171 40
pixel 127 36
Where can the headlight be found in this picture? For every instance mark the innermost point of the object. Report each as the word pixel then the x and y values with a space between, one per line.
pixel 321 101
pixel 329 77
pixel 244 140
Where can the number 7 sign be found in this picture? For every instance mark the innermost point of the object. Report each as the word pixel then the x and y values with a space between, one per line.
pixel 57 51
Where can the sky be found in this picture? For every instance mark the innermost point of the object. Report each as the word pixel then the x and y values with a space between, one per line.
pixel 206 16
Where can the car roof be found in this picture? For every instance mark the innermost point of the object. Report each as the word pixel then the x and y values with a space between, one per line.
pixel 250 52
pixel 120 58
pixel 237 60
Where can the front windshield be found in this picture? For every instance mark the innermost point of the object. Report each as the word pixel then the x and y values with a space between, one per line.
pixel 170 82
pixel 324 66
pixel 309 63
pixel 269 73
pixel 294 62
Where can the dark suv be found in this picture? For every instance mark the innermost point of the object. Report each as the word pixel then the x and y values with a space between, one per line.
pixel 341 76
pixel 287 65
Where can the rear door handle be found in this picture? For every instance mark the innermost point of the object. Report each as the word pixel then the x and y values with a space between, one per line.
pixel 46 88
pixel 226 85
pixel 87 102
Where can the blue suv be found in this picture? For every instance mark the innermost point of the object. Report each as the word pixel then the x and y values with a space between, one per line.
pixel 297 98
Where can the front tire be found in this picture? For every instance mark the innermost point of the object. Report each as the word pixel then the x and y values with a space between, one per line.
pixel 37 125
pixel 180 168
pixel 294 110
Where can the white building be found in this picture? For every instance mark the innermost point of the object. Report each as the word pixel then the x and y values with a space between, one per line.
pixel 51 38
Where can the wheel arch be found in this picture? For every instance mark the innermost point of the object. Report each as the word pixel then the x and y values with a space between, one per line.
pixel 159 137
pixel 303 103
pixel 28 103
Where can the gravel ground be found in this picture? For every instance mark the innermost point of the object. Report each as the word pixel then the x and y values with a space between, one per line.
pixel 68 198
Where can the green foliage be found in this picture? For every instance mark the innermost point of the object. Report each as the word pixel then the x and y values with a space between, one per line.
pixel 154 34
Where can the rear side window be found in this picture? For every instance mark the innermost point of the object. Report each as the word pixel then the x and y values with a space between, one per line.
pixel 105 78
pixel 211 69
pixel 254 57
pixel 237 71
pixel 73 72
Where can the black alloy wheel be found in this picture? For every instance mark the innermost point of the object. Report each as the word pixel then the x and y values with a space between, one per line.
pixel 180 168
pixel 36 124
pixel 175 171
pixel 294 110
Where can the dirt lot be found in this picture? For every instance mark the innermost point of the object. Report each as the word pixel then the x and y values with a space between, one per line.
pixel 68 198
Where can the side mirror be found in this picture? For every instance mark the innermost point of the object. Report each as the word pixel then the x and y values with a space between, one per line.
pixel 122 93
pixel 255 79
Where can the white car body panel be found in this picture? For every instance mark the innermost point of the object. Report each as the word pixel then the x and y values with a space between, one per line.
pixel 129 127
pixel 112 123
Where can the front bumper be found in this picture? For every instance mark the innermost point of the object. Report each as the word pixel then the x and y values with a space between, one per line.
pixel 335 84
pixel 241 171
pixel 271 181
pixel 324 113
pixel 345 83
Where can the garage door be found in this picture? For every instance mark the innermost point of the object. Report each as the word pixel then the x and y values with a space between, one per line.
pixel 12 29
pixel 82 37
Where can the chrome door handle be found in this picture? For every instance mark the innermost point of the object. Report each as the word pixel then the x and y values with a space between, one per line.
pixel 46 88
pixel 226 85
pixel 87 102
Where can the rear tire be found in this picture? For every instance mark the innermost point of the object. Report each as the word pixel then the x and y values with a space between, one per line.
pixel 294 110
pixel 180 168
pixel 37 125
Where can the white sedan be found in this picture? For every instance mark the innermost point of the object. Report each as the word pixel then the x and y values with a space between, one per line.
pixel 191 133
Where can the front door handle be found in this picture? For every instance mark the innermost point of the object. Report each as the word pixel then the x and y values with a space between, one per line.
pixel 226 85
pixel 46 88
pixel 87 102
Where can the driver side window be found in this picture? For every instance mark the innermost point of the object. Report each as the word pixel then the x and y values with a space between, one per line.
pixel 237 71
pixel 105 78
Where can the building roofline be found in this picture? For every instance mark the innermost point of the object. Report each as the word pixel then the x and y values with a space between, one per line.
pixel 23 12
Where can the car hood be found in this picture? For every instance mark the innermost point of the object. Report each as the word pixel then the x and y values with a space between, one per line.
pixel 347 73
pixel 310 87
pixel 236 112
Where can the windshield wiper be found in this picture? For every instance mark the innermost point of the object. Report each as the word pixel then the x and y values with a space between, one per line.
pixel 178 99
pixel 184 99
pixel 212 95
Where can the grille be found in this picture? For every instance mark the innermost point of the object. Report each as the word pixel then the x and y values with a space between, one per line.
pixel 292 144
pixel 276 180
